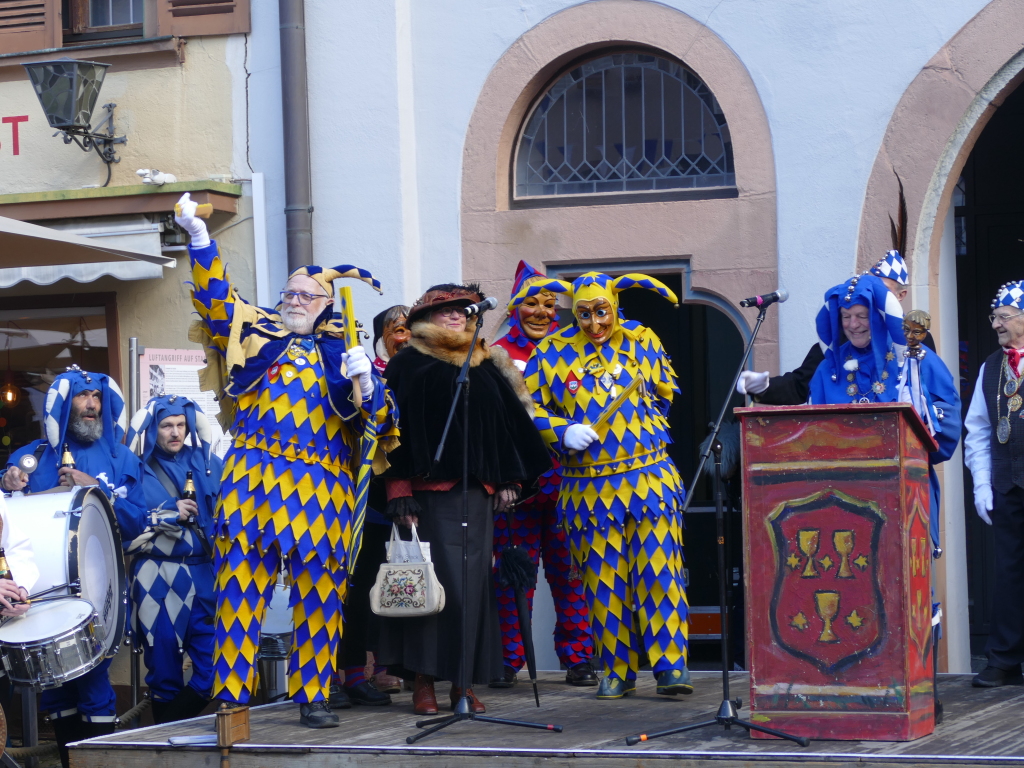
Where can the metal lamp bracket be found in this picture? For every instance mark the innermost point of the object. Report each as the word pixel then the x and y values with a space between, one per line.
pixel 103 142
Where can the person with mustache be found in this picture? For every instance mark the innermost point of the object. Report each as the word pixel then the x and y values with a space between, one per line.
pixel 533 524
pixel 172 568
pixel 86 411
pixel 620 495
pixel 286 382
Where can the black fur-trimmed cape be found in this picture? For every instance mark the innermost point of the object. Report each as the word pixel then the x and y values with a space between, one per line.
pixel 504 444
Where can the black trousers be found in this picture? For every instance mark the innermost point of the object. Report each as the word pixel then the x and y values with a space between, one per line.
pixel 1006 639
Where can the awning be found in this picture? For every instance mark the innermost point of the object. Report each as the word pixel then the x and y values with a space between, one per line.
pixel 44 255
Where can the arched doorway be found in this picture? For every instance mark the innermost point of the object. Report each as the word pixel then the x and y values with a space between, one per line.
pixel 933 130
pixel 989 225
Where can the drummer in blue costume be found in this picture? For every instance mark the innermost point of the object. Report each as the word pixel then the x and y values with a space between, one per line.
pixel 871 366
pixel 86 411
pixel 172 573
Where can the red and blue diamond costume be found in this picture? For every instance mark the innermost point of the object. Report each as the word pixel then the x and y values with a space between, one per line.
pixel 535 527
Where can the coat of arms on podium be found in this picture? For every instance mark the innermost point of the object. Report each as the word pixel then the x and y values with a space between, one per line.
pixel 827 604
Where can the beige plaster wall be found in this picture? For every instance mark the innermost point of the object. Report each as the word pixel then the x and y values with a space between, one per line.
pixel 177 118
pixel 731 243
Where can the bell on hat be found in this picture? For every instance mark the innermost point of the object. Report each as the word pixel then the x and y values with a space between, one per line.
pixel 893 267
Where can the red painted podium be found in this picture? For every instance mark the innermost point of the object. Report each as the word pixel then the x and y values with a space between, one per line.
pixel 838 570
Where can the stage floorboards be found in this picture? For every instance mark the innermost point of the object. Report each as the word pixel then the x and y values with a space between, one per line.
pixel 981 727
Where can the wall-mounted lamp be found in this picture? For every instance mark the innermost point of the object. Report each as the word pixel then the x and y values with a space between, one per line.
pixel 67 90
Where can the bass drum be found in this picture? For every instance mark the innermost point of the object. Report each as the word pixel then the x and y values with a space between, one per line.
pixel 76 541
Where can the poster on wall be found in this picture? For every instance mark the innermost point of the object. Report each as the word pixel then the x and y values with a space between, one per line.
pixel 176 372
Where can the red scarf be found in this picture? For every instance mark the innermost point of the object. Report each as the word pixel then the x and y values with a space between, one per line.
pixel 1014 358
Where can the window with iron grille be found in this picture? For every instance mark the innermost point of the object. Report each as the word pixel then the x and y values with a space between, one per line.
pixel 624 122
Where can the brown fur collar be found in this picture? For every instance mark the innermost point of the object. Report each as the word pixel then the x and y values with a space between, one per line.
pixel 451 347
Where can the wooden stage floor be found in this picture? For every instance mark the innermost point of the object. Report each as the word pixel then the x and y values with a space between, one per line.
pixel 982 727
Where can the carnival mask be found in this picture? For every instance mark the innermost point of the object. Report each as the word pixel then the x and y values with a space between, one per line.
pixel 596 319
pixel 395 336
pixel 536 314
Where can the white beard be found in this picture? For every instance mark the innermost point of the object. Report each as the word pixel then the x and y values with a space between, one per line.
pixel 298 321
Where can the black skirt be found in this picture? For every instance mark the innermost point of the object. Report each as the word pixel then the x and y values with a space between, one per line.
pixel 432 645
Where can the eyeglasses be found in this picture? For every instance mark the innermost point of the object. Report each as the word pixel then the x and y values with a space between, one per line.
pixel 449 311
pixel 1003 318
pixel 304 298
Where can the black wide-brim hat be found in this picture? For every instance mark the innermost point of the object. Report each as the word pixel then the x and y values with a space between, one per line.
pixel 440 296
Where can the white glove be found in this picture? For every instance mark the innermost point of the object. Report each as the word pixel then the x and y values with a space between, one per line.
pixel 578 436
pixel 358 365
pixel 752 383
pixel 188 221
pixel 983 501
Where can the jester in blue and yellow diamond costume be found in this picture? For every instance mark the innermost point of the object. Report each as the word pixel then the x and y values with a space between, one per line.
pixel 288 491
pixel 533 524
pixel 621 496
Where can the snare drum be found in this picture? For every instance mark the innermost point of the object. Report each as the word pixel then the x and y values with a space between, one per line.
pixel 52 643
pixel 75 538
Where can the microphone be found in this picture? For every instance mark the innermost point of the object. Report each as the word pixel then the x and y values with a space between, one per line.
pixel 480 307
pixel 769 298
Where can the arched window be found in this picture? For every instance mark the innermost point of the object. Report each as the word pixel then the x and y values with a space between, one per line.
pixel 624 122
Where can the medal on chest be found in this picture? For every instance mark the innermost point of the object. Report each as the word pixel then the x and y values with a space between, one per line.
pixel 572 383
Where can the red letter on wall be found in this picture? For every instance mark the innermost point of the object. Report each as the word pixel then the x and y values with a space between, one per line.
pixel 14 130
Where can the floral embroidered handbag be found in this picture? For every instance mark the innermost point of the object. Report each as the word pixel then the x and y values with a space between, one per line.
pixel 406 584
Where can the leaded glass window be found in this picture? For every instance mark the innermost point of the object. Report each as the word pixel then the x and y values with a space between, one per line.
pixel 624 122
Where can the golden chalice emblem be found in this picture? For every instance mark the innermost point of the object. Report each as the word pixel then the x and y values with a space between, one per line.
pixel 808 541
pixel 843 541
pixel 827 604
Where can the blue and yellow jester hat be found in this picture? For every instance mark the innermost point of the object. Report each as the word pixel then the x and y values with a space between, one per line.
pixel 595 285
pixel 326 277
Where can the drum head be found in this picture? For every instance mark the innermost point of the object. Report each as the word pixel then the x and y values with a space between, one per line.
pixel 45 620
pixel 94 557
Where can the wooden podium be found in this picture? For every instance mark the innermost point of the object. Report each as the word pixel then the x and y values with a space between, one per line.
pixel 838 570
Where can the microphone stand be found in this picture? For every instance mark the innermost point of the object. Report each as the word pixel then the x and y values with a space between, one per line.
pixel 464 708
pixel 726 715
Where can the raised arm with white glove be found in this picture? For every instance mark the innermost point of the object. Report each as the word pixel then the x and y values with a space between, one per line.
pixel 358 366
pixel 187 220
pixel 752 383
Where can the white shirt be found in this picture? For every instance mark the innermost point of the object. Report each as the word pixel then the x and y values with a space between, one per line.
pixel 978 443
pixel 18 549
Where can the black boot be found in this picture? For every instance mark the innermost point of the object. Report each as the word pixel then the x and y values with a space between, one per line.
pixel 65 731
pixel 187 704
pixel 89 730
pixel 160 709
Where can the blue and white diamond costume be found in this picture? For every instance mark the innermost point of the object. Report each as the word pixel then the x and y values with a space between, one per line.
pixel 120 474
pixel 172 572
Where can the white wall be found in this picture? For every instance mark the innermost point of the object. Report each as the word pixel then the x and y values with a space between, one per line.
pixel 829 74
pixel 264 153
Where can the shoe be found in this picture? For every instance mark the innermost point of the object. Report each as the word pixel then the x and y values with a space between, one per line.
pixel 993 677
pixel 507 680
pixel 674 681
pixel 474 702
pixel 318 715
pixel 614 688
pixel 367 695
pixel 424 702
pixel 581 674
pixel 339 698
pixel 387 683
